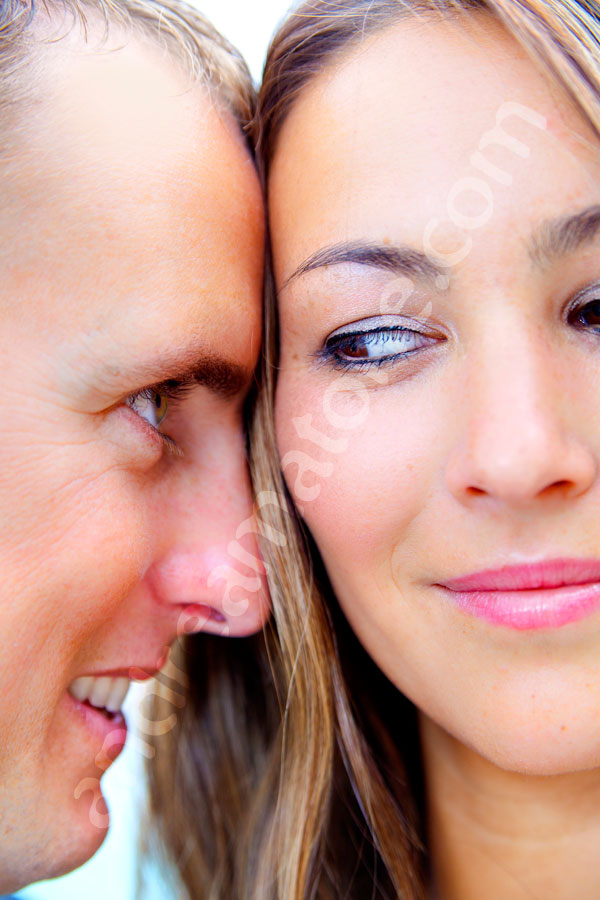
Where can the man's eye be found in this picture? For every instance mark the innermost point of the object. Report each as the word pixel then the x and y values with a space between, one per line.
pixel 151 404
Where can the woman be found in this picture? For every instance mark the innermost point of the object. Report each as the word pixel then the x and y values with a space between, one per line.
pixel 433 198
pixel 433 179
pixel 131 229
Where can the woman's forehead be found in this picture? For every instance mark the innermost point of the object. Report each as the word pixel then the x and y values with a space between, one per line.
pixel 398 132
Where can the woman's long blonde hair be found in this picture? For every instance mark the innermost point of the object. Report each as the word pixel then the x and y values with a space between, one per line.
pixel 297 772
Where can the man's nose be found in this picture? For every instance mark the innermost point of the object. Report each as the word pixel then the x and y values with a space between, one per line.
pixel 207 569
pixel 521 436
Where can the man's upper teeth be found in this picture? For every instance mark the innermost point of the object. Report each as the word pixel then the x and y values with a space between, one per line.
pixel 103 692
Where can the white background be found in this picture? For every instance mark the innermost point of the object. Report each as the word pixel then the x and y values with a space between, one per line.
pixel 111 874
pixel 249 25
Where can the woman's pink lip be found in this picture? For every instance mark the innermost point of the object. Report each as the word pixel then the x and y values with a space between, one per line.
pixel 529 576
pixel 549 594
pixel 522 610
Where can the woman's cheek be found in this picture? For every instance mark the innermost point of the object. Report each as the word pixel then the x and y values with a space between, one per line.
pixel 359 471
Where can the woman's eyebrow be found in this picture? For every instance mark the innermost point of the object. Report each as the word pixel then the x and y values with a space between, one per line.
pixel 555 238
pixel 400 260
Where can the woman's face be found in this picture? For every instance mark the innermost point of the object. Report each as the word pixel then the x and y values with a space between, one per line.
pixel 435 211
pixel 131 256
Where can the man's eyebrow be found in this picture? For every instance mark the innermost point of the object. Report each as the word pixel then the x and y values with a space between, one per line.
pixel 400 260
pixel 555 238
pixel 221 376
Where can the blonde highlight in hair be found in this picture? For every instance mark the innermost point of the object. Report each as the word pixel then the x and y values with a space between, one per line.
pixel 329 800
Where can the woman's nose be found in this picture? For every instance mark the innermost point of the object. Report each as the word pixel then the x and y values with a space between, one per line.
pixel 207 568
pixel 520 435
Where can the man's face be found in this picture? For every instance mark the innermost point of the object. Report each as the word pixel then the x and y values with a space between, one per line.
pixel 131 241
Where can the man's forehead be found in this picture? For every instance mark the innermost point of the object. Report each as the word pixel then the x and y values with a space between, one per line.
pixel 114 127
pixel 131 100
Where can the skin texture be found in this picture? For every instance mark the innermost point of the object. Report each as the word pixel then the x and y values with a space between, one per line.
pixel 132 243
pixel 479 450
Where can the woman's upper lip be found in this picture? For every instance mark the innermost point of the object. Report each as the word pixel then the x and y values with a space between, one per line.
pixel 550 573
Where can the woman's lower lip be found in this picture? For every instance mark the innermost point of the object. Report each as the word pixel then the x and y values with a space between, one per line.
pixel 111 733
pixel 530 609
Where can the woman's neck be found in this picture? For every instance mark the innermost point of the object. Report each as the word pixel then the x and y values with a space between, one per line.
pixel 499 834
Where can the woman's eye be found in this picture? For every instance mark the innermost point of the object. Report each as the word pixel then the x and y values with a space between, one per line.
pixel 151 404
pixel 373 347
pixel 588 315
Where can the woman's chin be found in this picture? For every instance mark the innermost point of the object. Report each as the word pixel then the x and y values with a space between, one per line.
pixel 538 756
pixel 534 748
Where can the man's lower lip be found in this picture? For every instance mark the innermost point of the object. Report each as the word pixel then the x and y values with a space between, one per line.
pixel 111 732
pixel 531 609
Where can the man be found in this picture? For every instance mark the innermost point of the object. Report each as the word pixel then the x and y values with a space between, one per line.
pixel 131 239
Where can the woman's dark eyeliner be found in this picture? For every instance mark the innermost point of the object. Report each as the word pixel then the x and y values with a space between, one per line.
pixel 331 353
pixel 578 307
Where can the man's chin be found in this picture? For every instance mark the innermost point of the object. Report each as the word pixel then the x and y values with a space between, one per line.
pixel 73 850
pixel 71 844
